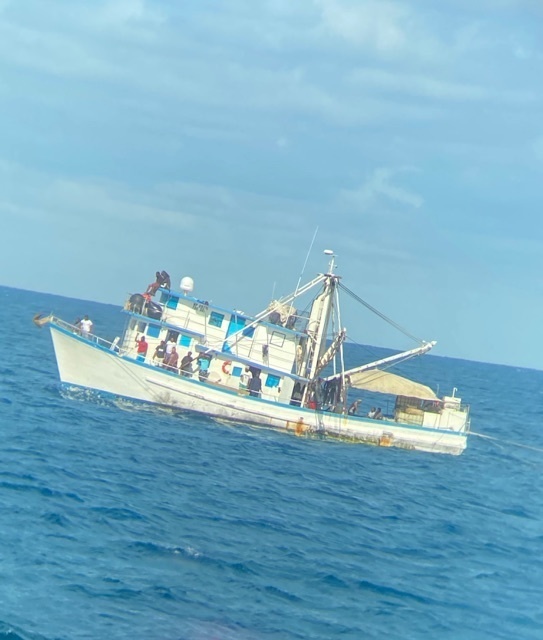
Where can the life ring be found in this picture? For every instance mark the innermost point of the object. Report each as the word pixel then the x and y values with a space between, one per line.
pixel 226 367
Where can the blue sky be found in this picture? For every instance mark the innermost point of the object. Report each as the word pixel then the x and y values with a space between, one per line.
pixel 213 138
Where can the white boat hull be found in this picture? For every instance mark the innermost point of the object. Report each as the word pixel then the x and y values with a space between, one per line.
pixel 83 363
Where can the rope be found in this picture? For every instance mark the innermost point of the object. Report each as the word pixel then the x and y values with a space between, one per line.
pixel 514 444
pixel 381 315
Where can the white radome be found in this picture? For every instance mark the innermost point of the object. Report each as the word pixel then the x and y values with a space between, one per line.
pixel 187 284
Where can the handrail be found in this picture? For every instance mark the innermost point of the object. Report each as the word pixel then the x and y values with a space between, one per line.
pixel 111 345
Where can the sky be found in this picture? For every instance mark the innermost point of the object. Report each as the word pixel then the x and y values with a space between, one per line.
pixel 235 140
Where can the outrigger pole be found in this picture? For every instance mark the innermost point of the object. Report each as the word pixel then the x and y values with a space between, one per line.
pixel 404 355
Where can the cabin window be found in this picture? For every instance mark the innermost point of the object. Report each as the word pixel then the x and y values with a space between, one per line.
pixel 137 325
pixel 172 335
pixel 272 381
pixel 277 339
pixel 236 371
pixel 164 297
pixel 153 331
pixel 184 341
pixel 248 332
pixel 172 302
pixel 215 319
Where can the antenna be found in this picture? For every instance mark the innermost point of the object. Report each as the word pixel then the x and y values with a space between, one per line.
pixel 331 266
pixel 305 263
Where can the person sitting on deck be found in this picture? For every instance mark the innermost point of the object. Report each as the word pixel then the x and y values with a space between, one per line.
pixel 353 409
pixel 378 414
pixel 372 412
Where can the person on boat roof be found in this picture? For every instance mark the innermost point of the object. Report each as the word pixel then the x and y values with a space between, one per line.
pixel 165 280
pixel 162 280
pixel 154 286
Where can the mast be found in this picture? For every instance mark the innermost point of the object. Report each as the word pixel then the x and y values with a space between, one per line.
pixel 319 319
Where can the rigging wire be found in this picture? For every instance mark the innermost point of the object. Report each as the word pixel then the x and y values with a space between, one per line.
pixel 381 315
pixel 305 264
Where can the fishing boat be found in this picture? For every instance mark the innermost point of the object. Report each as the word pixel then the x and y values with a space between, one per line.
pixel 283 368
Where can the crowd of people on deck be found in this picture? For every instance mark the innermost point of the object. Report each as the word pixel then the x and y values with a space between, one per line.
pixel 166 356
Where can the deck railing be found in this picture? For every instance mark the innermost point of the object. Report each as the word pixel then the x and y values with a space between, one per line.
pixel 107 344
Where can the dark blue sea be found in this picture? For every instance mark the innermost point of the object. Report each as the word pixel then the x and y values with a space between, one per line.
pixel 120 521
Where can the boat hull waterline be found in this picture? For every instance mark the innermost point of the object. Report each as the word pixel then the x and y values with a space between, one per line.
pixel 84 363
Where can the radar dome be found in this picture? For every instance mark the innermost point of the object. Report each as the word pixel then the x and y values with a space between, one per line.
pixel 187 284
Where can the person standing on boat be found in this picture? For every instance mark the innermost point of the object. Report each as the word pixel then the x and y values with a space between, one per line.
pixel 186 365
pixel 170 345
pixel 255 385
pixel 203 363
pixel 172 360
pixel 143 345
pixel 160 350
pixel 244 379
pixel 86 326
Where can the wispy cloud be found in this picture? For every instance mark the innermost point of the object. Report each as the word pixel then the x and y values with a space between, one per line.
pixel 379 186
pixel 81 40
pixel 386 27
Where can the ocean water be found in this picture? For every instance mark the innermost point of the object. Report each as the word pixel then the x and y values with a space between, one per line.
pixel 127 522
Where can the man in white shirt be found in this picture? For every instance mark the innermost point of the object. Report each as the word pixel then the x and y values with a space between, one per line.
pixel 244 379
pixel 85 326
pixel 169 348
